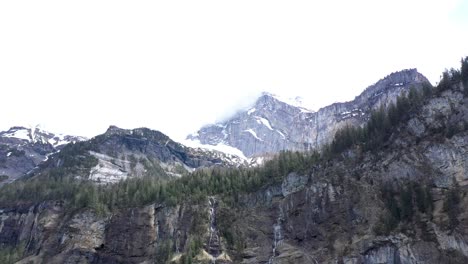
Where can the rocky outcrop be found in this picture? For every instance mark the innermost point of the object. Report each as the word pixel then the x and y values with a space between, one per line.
pixel 293 183
pixel 272 125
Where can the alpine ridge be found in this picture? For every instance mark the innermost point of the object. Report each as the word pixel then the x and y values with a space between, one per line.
pixel 22 149
pixel 273 124
pixel 119 154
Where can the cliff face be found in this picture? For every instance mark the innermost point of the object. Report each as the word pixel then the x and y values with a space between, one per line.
pixel 51 235
pixel 272 125
pixel 48 233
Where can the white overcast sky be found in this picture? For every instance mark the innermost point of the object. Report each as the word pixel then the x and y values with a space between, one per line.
pixel 79 66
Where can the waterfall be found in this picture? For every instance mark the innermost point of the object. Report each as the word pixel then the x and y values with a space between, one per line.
pixel 177 241
pixel 214 245
pixel 277 235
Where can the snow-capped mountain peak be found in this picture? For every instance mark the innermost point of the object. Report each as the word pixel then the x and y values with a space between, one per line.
pixel 38 135
pixel 21 133
pixel 23 148
pixel 276 123
pixel 296 101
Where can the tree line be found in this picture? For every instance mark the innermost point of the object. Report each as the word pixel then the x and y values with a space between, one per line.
pixel 59 184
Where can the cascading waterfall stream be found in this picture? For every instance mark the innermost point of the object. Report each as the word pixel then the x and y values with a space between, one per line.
pixel 278 236
pixel 213 246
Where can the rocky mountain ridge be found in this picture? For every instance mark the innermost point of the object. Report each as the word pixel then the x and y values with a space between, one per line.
pixel 119 154
pixel 22 149
pixel 273 124
pixel 38 135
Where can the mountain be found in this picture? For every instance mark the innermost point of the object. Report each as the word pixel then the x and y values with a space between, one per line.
pixel 274 124
pixel 119 154
pixel 23 149
pixel 393 190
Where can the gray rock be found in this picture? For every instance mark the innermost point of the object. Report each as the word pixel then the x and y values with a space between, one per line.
pixel 382 255
pixel 272 125
pixel 451 159
pixel 293 183
pixel 416 127
pixel 454 241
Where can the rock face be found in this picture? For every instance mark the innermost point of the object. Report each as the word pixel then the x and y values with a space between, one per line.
pixel 293 183
pixel 22 149
pixel 50 234
pixel 272 125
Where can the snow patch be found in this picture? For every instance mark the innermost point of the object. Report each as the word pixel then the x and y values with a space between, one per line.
pixel 19 134
pixel 36 134
pixel 33 134
pixel 106 171
pixel 48 155
pixel 265 122
pixel 251 111
pixel 107 174
pixel 292 101
pixel 281 134
pixel 257 161
pixel 225 134
pixel 58 140
pixel 221 147
pixel 235 156
pixel 353 113
pixel 253 134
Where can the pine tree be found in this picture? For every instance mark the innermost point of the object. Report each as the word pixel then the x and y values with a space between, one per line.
pixel 464 74
pixel 451 206
pixel 406 202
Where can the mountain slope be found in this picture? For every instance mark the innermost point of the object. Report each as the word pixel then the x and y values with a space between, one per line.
pixel 272 124
pixel 119 154
pixel 22 149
